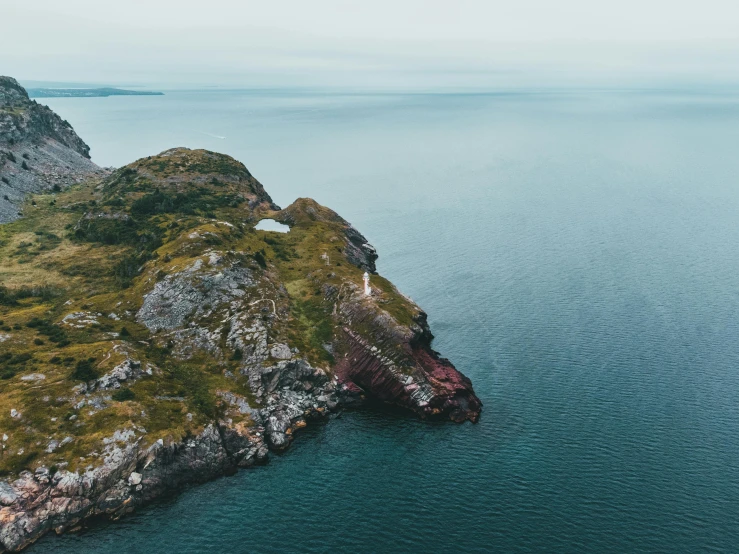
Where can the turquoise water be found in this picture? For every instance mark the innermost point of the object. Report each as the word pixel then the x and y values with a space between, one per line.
pixel 577 255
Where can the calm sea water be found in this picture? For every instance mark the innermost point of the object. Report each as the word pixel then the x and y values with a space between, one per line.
pixel 577 255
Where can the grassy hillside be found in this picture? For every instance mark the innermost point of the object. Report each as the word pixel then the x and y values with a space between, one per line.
pixel 75 272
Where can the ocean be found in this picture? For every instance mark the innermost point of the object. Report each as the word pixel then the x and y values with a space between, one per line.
pixel 576 251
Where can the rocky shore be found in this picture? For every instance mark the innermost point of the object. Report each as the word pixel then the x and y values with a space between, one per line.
pixel 293 393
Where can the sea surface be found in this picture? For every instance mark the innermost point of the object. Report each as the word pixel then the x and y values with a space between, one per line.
pixel 577 254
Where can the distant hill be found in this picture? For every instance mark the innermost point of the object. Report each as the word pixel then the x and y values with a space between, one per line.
pixel 87 92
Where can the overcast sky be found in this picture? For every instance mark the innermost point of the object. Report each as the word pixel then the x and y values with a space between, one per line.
pixel 474 43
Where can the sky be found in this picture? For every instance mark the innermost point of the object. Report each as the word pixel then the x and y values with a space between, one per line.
pixel 378 43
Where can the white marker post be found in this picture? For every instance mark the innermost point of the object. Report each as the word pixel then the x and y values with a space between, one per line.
pixel 367 289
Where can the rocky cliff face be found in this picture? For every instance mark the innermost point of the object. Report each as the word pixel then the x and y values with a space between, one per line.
pixel 38 150
pixel 151 337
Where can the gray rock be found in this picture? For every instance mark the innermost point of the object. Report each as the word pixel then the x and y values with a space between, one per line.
pixel 60 157
pixel 34 377
pixel 7 494
pixel 194 291
pixel 280 352
pixel 127 371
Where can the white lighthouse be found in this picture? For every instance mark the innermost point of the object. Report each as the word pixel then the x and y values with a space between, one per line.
pixel 367 289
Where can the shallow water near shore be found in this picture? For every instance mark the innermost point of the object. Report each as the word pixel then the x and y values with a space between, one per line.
pixel 576 252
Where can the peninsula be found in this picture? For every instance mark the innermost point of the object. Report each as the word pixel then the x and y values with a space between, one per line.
pixel 87 92
pixel 151 337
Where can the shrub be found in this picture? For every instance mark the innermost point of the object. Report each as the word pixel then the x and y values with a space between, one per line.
pixel 121 395
pixel 38 342
pixel 24 165
pixel 84 371
pixel 56 188
pixel 124 332
pixel 19 359
pixel 107 231
pixel 190 202
pixel 45 327
pixel 7 298
pixel 260 259
pixel 7 182
pixel 126 269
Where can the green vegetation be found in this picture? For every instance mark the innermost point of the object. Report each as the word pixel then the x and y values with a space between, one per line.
pixel 10 297
pixel 74 274
pixel 54 332
pixel 122 395
pixel 84 371
pixel 192 202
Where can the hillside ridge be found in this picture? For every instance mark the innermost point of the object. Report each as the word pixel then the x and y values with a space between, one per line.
pixel 38 150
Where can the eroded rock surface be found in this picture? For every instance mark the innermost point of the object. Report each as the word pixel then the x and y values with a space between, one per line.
pixel 38 150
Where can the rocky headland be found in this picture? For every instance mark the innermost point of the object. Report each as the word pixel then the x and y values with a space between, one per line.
pixel 151 337
pixel 38 150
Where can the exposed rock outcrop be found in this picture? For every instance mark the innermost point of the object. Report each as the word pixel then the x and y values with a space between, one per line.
pixel 396 364
pixel 38 150
pixel 132 474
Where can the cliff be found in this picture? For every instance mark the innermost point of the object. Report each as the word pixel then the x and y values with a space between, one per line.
pixel 38 150
pixel 150 337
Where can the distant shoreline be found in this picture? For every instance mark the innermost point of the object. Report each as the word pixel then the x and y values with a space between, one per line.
pixel 86 92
